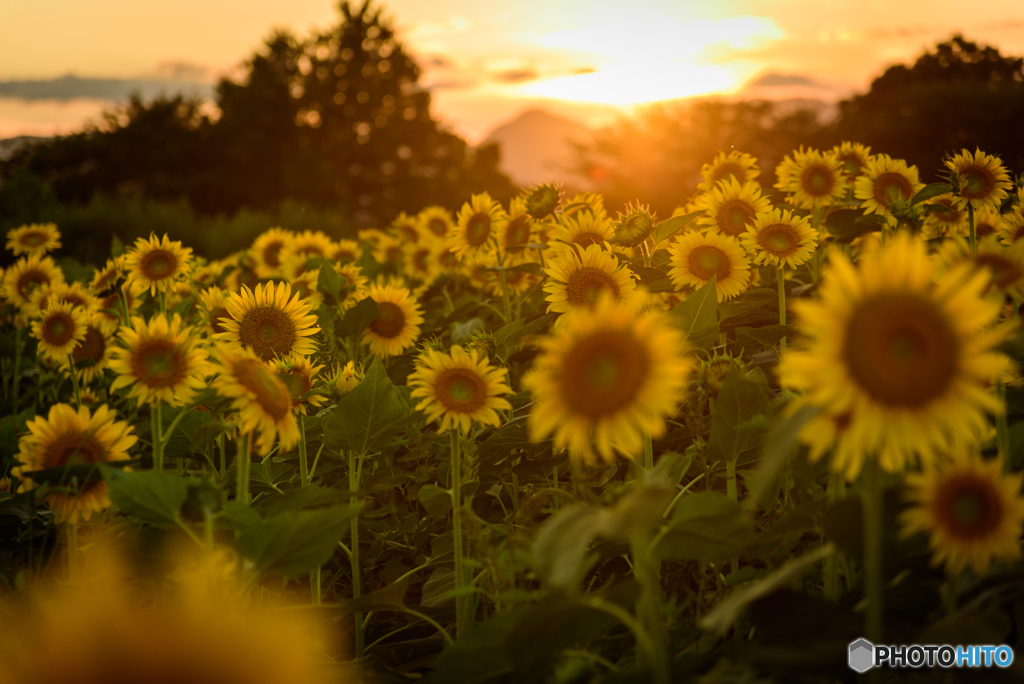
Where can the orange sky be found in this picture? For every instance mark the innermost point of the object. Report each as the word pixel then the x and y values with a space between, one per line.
pixel 486 62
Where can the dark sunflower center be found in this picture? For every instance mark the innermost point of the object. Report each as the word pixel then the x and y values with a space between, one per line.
pixel 419 260
pixel 438 227
pixel 733 217
pixel 91 348
pixel 73 448
pixel 158 264
pixel 778 239
pixel 706 261
pixel 603 373
pixel 409 233
pixel 891 186
pixel 982 229
pixel 345 255
pixel 817 180
pixel 215 316
pixel 33 239
pixel 158 363
pixel 518 232
pixel 1005 272
pixel 272 253
pixel 58 329
pixel 586 284
pixel 268 331
pixel 448 260
pixel 478 229
pixel 391 321
pixel 728 170
pixel 248 277
pixel 587 238
pixel 901 349
pixel 968 507
pixel 978 182
pixel 31 279
pixel 271 394
pixel 460 390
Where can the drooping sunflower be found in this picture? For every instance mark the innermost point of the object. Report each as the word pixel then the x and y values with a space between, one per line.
pixel 93 353
pixel 266 251
pixel 262 399
pixel 212 308
pixel 157 263
pixel 583 229
pixel 730 207
pixel 399 322
pixel 105 278
pixel 697 257
pixel 270 321
pixel 1004 265
pixel 606 378
pixel 480 220
pixel 518 231
pixel 160 361
pixel 299 375
pixel 436 221
pixel 972 512
pixel 983 180
pixel 1011 227
pixel 459 388
pixel 734 164
pixel 905 356
pixel 26 274
pixel 35 239
pixel 886 180
pixel 68 437
pixel 949 223
pixel 811 178
pixel 60 328
pixel 576 279
pixel 781 238
pixel 541 200
pixel 854 157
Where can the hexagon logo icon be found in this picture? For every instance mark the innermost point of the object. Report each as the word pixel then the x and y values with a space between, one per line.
pixel 862 655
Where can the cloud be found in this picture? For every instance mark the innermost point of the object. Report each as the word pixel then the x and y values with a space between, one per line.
pixel 72 87
pixel 517 75
pixel 771 80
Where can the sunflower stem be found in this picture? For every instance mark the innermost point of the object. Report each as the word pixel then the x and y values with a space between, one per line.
pixel 156 418
pixel 732 491
pixel 873 510
pixel 357 591
pixel 460 578
pixel 71 535
pixel 222 449
pixel 504 297
pixel 780 279
pixel 648 608
pixel 122 297
pixel 242 469
pixel 648 453
pixel 970 224
pixel 646 251
pixel 74 381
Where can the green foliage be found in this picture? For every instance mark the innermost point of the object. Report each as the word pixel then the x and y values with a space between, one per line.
pixel 364 419
pixel 698 316
pixel 295 542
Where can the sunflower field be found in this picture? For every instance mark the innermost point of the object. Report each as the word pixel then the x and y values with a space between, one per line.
pixel 533 443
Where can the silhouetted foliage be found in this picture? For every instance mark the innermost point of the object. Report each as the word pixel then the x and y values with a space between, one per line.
pixel 334 120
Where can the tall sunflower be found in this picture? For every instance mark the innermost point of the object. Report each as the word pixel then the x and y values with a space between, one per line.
pixel 459 388
pixel 270 321
pixel 730 207
pixel 266 251
pixel 35 239
pixel 69 437
pixel 972 512
pixel 436 221
pixel 26 274
pixel 609 376
pixel 885 181
pixel 583 229
pixel 262 399
pixel 156 264
pixel 577 279
pixel 299 375
pixel 480 220
pixel 904 355
pixel 60 328
pixel 854 157
pixel 734 165
pixel 812 178
pixel 780 238
pixel 399 322
pixel 982 179
pixel 94 352
pixel 160 360
pixel 697 257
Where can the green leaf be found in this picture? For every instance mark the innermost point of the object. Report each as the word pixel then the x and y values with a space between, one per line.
pixel 328 282
pixel 437 501
pixel 698 316
pixel 302 498
pixel 463 332
pixel 707 527
pixel 562 543
pixel 193 431
pixel 11 427
pixel 743 396
pixel 750 301
pixel 364 420
pixel 507 338
pixel 296 542
pixel 670 227
pixel 148 495
pixel 357 319
pixel 779 446
pixel 765 336
pixel 637 512
pixel 931 190
pixel 848 224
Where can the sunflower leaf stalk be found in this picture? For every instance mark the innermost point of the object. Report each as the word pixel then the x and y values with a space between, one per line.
pixel 646 573
pixel 874 581
pixel 74 380
pixel 242 468
pixel 781 281
pixel 156 418
pixel 354 466
pixel 461 616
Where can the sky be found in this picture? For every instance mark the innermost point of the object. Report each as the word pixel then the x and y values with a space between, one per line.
pixel 485 62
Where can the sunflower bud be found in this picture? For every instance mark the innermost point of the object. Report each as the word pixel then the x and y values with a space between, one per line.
pixel 635 226
pixel 542 200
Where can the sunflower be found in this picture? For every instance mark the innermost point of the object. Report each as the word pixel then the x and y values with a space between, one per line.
pixel 308 243
pixel 781 238
pixel 405 228
pixel 70 437
pixel 813 179
pixel 418 263
pixel 266 251
pixel 576 279
pixel 157 263
pixel 446 258
pixel 982 179
pixel 93 353
pixel 541 200
pixel 518 231
pixel 904 354
pixel 479 220
pixel 76 294
pixel 731 207
pixel 972 512
pixel 986 222
pixel 388 251
pixel 1011 227
pixel 609 376
pixel 459 388
pixel 697 257
pixel 111 307
pixel 854 157
pixel 516 281
pixel 583 229
pixel 1004 265
pixel 35 239
pixel 436 221
pixel 371 236
pixel 635 225
pixel 26 274
pixel 105 278
pixel 585 201
pixel 735 165
pixel 262 399
pixel 346 378
pixel 884 182
pixel 298 374
pixel 59 329
pixel 212 308
pixel 949 223
pixel 345 250
pixel 159 362
pixel 398 325
pixel 356 284
pixel 270 321
pixel 242 272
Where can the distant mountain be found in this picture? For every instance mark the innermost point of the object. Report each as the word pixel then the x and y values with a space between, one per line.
pixel 537 146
